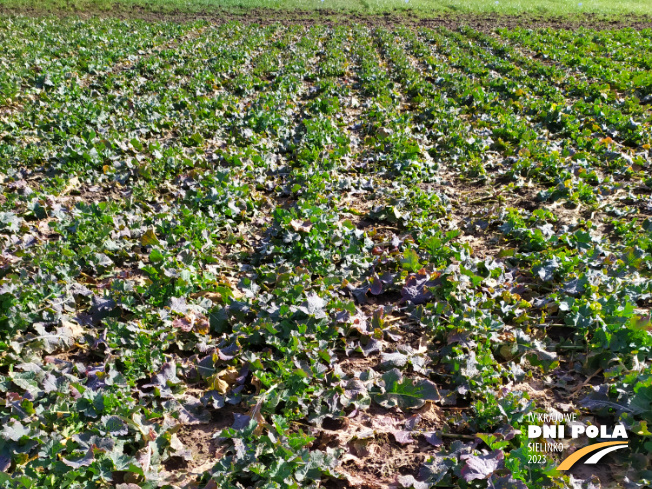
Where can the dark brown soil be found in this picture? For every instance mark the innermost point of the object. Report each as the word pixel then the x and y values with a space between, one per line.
pixel 482 22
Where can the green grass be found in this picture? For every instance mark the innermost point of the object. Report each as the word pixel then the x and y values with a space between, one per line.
pixel 415 7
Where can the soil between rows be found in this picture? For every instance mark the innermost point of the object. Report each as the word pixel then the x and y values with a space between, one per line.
pixel 263 16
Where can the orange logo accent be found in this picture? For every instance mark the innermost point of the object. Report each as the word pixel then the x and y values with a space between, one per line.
pixel 569 461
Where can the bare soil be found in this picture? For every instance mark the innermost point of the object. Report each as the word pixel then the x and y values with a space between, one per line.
pixel 263 16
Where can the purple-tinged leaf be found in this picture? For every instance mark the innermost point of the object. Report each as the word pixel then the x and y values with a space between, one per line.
pixel 5 462
pixel 437 468
pixel 214 399
pixel 184 324
pixel 409 482
pixel 359 293
pixel 600 401
pixel 507 432
pixel 376 286
pixel 481 466
pixel 84 461
pixel 313 306
pixel 166 377
pixel 101 307
pixel 388 278
pixel 14 431
pixel 240 449
pixel 506 482
pixel 79 291
pixel 412 422
pixel 178 305
pixel 392 360
pixel 240 421
pixel 354 389
pixel 193 412
pixel 432 438
pixel 144 458
pixel 359 322
pixel 49 383
pixel 403 437
pixel 416 288
pixel 96 377
pixel 114 425
pixel 206 366
pixel 88 440
pixel 372 346
pixel 546 271
pixel 228 352
pixel 342 317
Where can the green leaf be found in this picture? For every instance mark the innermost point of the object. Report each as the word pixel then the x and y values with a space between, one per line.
pixel 156 256
pixel 475 279
pixel 410 260
pixel 405 393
